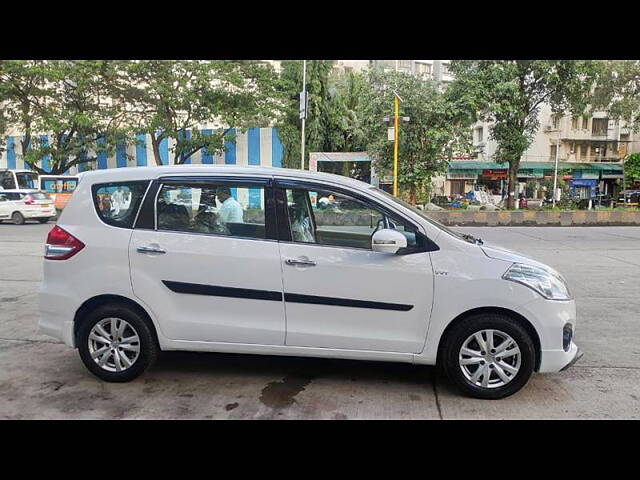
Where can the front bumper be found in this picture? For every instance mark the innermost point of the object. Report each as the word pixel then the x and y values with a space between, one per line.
pixel 577 357
pixel 558 360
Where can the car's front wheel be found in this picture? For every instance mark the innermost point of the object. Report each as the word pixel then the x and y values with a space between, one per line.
pixel 488 356
pixel 116 344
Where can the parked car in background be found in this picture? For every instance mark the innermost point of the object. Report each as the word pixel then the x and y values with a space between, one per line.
pixel 21 205
pixel 628 198
pixel 246 260
pixel 18 180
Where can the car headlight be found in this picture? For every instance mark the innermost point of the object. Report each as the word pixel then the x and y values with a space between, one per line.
pixel 547 283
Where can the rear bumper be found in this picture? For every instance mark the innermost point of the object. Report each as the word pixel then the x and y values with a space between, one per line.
pixel 41 213
pixel 55 319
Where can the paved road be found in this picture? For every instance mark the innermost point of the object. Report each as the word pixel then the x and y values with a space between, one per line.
pixel 41 378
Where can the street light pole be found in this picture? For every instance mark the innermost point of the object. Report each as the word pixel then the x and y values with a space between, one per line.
pixel 396 108
pixel 303 109
pixel 555 172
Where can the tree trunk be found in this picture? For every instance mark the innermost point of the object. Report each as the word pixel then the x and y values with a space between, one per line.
pixel 513 179
pixel 155 143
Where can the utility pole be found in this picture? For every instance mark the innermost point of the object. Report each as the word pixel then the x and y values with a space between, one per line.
pixel 303 109
pixel 555 172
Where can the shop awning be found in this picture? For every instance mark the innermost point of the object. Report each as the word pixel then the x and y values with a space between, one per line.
pixel 608 170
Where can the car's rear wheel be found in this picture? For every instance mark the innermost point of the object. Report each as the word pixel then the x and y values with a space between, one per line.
pixel 116 344
pixel 488 356
pixel 18 218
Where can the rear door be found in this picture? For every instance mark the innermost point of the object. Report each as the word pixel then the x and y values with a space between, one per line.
pixel 204 278
pixel 5 210
pixel 341 294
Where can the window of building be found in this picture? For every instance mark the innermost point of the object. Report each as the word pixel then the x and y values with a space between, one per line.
pixel 233 210
pixel 423 69
pixel 445 69
pixel 480 131
pixel 574 123
pixel 552 152
pixel 599 126
pixel 331 218
pixel 585 123
pixel 556 121
pixel 117 203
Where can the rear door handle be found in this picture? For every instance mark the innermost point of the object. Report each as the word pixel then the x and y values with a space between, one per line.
pixel 295 261
pixel 150 250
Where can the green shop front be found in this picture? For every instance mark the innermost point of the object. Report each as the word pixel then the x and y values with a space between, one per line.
pixel 586 180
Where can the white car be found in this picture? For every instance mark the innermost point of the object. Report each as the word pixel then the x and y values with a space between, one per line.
pixel 21 205
pixel 376 280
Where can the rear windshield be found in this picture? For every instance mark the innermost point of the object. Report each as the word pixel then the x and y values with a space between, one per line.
pixel 117 203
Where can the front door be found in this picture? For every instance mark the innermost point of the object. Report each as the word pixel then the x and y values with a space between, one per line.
pixel 338 292
pixel 209 266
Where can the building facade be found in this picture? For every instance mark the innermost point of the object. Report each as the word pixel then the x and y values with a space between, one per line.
pixel 590 152
pixel 256 146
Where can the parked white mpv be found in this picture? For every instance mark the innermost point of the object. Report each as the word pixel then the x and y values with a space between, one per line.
pixel 286 262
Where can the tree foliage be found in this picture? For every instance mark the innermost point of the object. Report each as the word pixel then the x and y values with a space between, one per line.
pixel 632 167
pixel 318 131
pixel 437 128
pixel 510 94
pixel 63 100
pixel 618 90
pixel 171 99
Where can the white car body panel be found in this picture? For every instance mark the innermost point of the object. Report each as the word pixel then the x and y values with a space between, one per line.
pixel 441 285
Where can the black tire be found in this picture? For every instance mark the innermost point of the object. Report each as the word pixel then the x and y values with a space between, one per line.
pixel 148 345
pixel 44 220
pixel 17 218
pixel 457 336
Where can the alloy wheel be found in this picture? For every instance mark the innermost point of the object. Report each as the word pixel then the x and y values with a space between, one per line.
pixel 490 358
pixel 114 344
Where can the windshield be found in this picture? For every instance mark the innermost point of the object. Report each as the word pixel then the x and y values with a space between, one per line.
pixel 463 236
pixel 27 179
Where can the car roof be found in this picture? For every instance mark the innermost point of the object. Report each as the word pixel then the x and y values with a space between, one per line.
pixel 144 173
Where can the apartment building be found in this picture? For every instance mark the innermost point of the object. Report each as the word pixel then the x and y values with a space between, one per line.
pixel 437 70
pixel 590 150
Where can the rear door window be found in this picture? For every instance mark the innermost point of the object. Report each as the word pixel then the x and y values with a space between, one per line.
pixel 237 210
pixel 117 203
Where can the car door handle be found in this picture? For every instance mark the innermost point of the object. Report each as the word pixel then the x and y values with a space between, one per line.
pixel 150 250
pixel 295 261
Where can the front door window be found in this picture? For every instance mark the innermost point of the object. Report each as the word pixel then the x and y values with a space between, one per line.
pixel 331 218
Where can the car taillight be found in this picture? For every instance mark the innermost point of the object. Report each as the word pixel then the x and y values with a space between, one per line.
pixel 61 245
pixel 28 200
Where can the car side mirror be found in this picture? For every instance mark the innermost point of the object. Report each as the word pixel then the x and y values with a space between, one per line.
pixel 388 241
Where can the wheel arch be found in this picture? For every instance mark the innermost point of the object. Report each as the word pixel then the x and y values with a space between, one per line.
pixel 99 300
pixel 515 316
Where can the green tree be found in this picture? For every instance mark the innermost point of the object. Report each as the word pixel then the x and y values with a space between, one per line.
pixel 632 168
pixel 63 99
pixel 510 93
pixel 437 128
pixel 617 90
pixel 171 99
pixel 318 132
